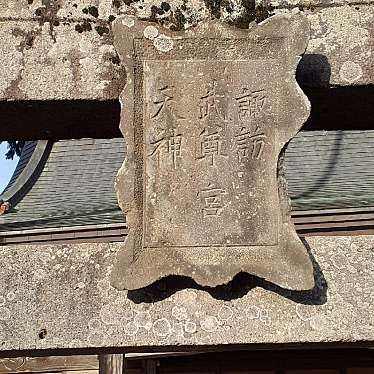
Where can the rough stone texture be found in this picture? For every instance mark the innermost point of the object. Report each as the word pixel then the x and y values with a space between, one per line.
pixel 341 48
pixel 313 4
pixel 65 290
pixel 61 9
pixel 205 115
pixel 69 65
pixel 339 53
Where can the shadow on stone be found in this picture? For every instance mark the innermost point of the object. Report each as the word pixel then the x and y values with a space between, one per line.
pixel 314 70
pixel 241 284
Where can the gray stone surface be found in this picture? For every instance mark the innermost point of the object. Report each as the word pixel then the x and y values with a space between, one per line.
pixel 205 115
pixel 65 290
pixel 62 65
pixel 59 51
pixel 58 9
pixel 340 51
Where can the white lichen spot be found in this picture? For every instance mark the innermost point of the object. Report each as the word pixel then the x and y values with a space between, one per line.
pixel 62 13
pixel 187 298
pixel 305 312
pixel 131 328
pixel 162 327
pixel 107 49
pixel 127 315
pixel 253 312
pixel 350 71
pixel 225 313
pixel 178 329
pixel 128 21
pixel 39 274
pixel 95 338
pixel 105 9
pixel 4 314
pixel 190 327
pixel 163 43
pixel 179 312
pixel 150 32
pixel 111 314
pixel 209 324
pixel 75 343
pixel 94 324
pixel 339 261
pixel 143 319
pixel 11 296
pixel 320 323
pixel 264 317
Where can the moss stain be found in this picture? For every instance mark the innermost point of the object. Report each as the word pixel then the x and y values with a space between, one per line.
pixel 101 30
pixel 47 13
pixel 92 10
pixel 115 60
pixel 175 19
pixel 84 26
pixel 251 11
pixel 28 38
pixel 27 42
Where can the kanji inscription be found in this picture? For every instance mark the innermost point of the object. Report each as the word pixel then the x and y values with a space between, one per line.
pixel 211 153
pixel 205 120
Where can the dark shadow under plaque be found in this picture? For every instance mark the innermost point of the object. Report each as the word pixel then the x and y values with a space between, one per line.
pixel 205 114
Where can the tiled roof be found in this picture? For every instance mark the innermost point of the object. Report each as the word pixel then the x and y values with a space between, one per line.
pixel 75 187
pixel 27 151
pixel 331 169
pixel 324 170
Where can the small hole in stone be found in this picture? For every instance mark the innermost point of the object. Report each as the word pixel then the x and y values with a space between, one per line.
pixel 42 334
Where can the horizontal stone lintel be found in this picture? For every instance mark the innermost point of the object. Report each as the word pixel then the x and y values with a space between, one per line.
pixel 59 297
pixel 72 58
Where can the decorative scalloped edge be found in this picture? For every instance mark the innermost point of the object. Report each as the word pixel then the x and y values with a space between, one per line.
pixel 287 264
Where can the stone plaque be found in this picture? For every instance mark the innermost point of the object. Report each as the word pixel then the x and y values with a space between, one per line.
pixel 205 115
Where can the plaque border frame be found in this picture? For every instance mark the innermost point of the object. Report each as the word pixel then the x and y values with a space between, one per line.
pixel 287 264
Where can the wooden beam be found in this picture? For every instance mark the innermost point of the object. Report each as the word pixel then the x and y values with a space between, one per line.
pixel 48 364
pixel 111 364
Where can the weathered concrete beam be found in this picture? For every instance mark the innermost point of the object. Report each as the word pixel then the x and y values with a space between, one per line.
pixel 341 48
pixel 45 10
pixel 63 49
pixel 63 65
pixel 59 297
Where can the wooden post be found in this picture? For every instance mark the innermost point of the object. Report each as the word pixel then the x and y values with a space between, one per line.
pixel 150 366
pixel 111 364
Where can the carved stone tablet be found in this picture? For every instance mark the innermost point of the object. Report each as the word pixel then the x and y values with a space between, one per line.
pixel 205 114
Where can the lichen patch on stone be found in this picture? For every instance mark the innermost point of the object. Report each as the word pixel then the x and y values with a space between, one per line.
pixel 128 21
pixel 163 43
pixel 150 32
pixel 350 71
